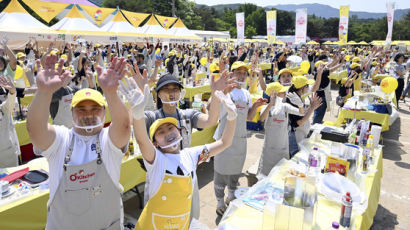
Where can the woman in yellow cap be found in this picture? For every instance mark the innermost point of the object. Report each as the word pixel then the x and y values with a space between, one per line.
pixel 300 124
pixel 276 118
pixel 170 169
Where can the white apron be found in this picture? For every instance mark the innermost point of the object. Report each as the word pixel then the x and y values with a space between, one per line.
pixel 276 143
pixel 64 115
pixel 9 144
pixel 86 197
pixel 232 159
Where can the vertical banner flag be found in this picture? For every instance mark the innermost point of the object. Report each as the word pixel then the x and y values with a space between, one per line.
pixel 240 27
pixel 343 24
pixel 271 26
pixel 390 19
pixel 301 26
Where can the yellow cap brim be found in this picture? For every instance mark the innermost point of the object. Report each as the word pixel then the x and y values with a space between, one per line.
pixel 153 128
pixel 284 89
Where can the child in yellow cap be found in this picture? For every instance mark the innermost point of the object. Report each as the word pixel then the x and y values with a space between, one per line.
pixel 170 169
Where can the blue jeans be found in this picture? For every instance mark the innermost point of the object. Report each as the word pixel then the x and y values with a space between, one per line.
pixel 293 144
pixel 406 90
pixel 320 112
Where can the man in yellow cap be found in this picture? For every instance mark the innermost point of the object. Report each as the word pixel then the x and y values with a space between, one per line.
pixel 170 168
pixel 84 161
pixel 228 165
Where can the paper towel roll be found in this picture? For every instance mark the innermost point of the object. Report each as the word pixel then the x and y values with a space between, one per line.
pixel 376 131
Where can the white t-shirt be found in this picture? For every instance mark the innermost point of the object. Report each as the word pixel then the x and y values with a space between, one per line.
pixel 187 160
pixel 83 152
pixel 241 95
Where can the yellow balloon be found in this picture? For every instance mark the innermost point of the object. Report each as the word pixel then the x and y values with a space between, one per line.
pixel 389 84
pixel 304 66
pixel 203 61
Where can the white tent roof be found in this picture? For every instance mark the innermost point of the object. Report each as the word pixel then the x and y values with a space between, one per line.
pixel 15 18
pixel 154 29
pixel 119 24
pixel 180 30
pixel 74 21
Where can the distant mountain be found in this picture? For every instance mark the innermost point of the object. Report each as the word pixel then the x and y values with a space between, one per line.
pixel 320 10
pixel 328 11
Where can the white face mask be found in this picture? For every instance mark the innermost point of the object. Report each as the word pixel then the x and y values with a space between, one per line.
pixel 174 144
pixel 89 128
pixel 181 97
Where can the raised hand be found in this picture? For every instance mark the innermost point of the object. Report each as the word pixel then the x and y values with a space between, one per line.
pixel 260 102
pixel 140 79
pixel 136 99
pixel 228 105
pixel 295 99
pixel 315 101
pixel 6 83
pixel 108 80
pixel 224 82
pixel 4 41
pixel 51 79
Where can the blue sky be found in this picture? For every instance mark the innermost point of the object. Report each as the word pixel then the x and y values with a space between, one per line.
pixel 355 5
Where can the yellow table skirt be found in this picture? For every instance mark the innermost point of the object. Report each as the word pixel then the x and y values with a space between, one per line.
pixel 338 76
pixel 31 212
pixel 190 92
pixel 378 118
pixel 246 217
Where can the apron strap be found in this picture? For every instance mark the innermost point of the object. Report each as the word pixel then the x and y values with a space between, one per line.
pixel 71 147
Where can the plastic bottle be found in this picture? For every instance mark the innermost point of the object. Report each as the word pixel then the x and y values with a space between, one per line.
pixel 370 144
pixel 314 162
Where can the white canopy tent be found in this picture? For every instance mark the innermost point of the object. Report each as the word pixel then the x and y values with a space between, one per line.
pixel 180 31
pixel 18 26
pixel 120 29
pixel 75 26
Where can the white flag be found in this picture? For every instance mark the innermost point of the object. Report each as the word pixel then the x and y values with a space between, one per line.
pixel 301 26
pixel 390 19
pixel 240 27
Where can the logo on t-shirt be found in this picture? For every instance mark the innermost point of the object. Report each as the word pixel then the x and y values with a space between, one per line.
pixel 93 147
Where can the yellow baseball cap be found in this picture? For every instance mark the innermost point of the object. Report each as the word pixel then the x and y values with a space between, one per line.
pixel 285 70
pixel 64 56
pixel 375 63
pixel 239 64
pixel 320 63
pixel 97 45
pixel 20 54
pixel 88 94
pixel 213 67
pixel 153 128
pixel 300 81
pixel 276 87
pixel 347 58
pixel 356 59
pixel 354 65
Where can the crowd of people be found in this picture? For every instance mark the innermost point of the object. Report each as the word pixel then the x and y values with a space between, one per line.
pixel 76 83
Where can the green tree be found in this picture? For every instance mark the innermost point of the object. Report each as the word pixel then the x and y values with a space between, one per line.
pixel 250 31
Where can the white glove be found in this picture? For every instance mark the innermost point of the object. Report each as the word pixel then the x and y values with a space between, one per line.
pixel 227 104
pixel 4 41
pixel 295 99
pixel 136 99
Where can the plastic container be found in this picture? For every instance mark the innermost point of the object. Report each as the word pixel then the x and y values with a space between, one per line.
pixel 314 162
